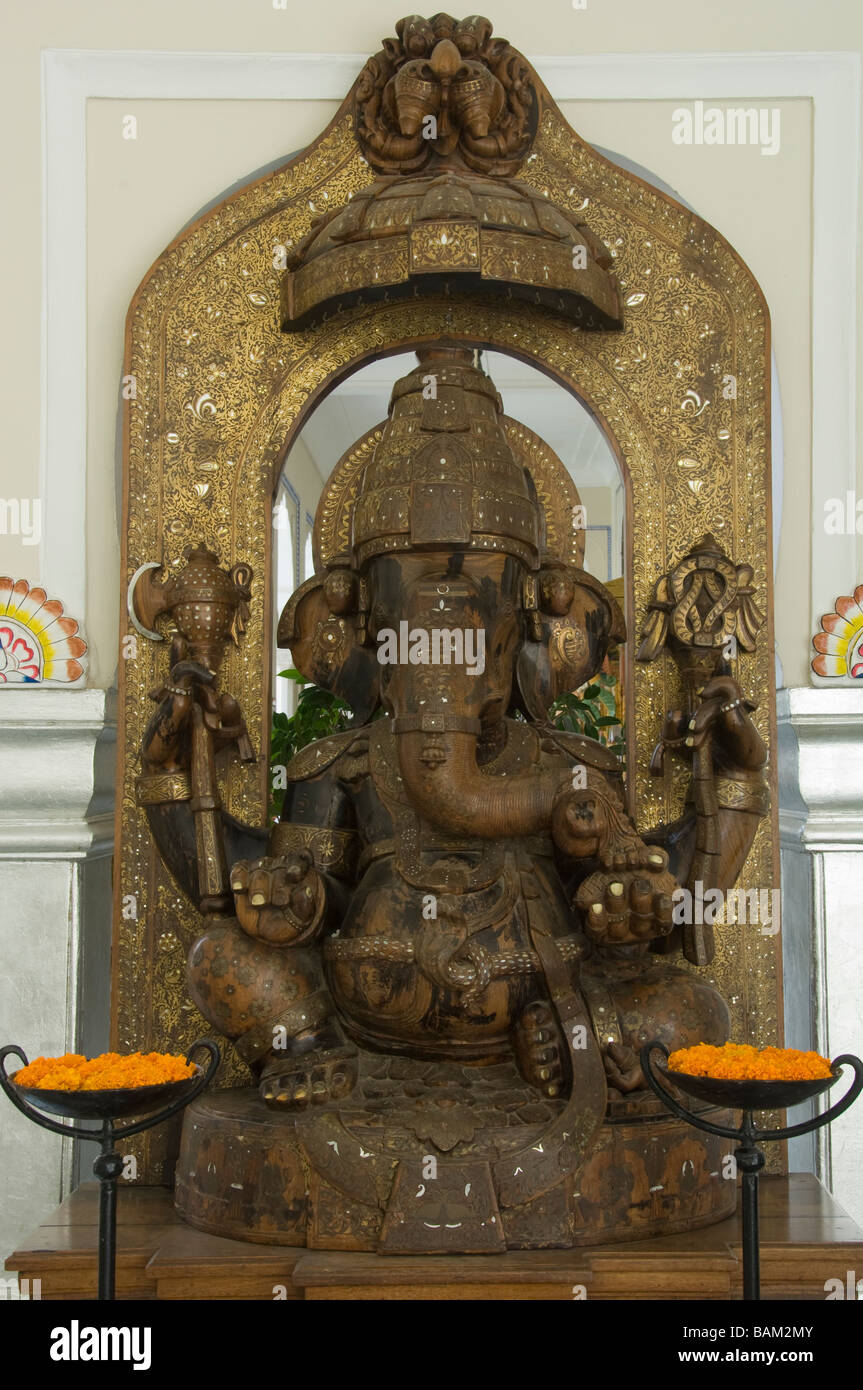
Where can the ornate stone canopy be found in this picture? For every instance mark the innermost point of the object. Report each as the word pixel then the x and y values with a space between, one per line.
pixel 446 115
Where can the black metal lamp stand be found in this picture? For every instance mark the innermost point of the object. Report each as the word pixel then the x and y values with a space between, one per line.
pixel 749 1096
pixel 165 1100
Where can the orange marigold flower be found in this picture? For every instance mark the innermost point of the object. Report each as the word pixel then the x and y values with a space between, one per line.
pixel 108 1072
pixel 742 1062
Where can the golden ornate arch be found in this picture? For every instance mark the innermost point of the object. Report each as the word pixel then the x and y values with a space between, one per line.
pixel 682 392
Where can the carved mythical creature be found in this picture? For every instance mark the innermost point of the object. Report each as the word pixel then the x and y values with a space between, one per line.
pixel 445 86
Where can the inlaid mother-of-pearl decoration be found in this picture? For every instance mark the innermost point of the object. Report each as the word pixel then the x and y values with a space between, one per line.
pixel 840 645
pixel 38 642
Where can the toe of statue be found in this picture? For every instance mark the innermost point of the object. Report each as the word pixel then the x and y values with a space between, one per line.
pixel 311 1079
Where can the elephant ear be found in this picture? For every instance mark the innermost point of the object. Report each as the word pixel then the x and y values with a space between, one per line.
pixel 566 644
pixel 328 646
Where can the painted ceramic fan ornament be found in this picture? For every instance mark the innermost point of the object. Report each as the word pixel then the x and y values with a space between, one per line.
pixel 840 645
pixel 39 643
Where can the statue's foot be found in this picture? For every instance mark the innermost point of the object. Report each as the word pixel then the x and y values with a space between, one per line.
pixel 308 1078
pixel 539 1048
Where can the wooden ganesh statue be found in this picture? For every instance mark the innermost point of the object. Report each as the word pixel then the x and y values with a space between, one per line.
pixel 440 963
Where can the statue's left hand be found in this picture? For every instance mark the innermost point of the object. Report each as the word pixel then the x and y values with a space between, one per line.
pixel 636 905
pixel 280 901
pixel 724 713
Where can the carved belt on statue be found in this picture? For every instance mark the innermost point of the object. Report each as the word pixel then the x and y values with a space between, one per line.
pixel 402 952
pixel 432 844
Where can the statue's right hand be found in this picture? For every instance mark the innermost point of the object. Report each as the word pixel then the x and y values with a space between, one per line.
pixel 280 901
pixel 623 908
pixel 166 743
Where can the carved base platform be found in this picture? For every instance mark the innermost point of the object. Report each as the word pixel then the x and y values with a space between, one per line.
pixel 806 1239
pixel 420 1173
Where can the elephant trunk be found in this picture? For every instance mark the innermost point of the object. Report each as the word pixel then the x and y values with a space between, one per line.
pixel 444 781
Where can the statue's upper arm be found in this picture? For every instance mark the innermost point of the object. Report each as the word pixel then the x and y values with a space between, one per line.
pixel 317 811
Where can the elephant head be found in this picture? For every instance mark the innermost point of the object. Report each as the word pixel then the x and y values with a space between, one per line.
pixel 452 614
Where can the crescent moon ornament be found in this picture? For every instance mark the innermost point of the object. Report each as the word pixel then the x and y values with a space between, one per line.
pixel 130 602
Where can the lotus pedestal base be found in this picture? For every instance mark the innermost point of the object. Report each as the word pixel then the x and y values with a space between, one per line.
pixel 340 1182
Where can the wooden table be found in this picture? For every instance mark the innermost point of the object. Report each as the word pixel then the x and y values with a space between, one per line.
pixel 806 1239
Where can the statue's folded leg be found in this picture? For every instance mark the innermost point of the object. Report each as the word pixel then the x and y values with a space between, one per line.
pixel 273 1004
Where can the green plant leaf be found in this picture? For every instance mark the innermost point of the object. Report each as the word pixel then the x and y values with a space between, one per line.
pixel 318 714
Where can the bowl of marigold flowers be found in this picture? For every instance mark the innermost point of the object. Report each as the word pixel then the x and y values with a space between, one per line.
pixel 108 1086
pixel 743 1077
